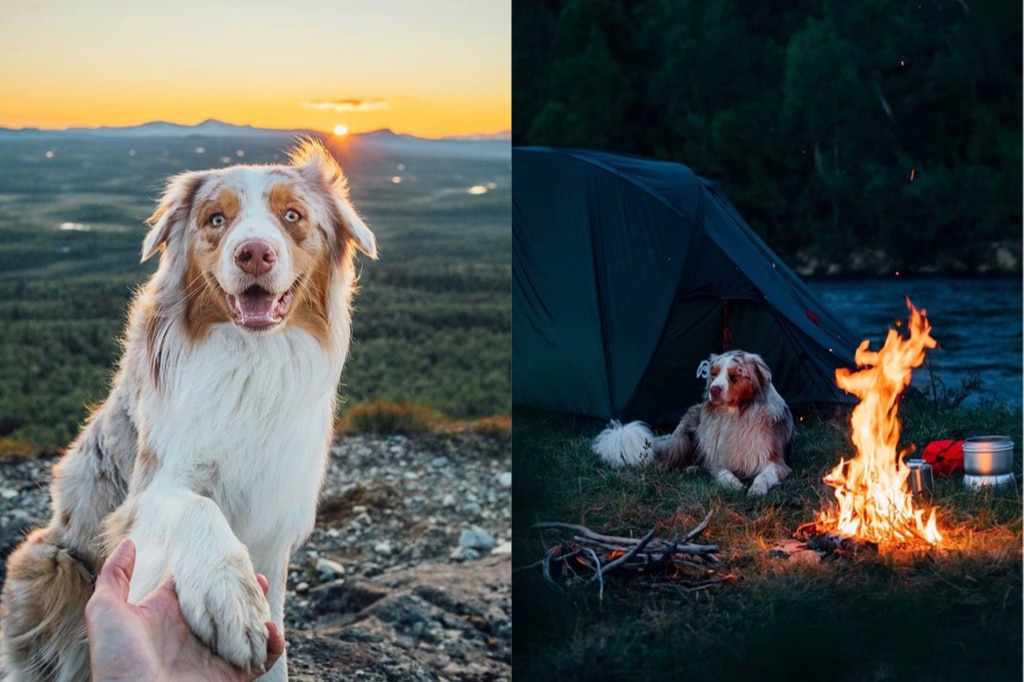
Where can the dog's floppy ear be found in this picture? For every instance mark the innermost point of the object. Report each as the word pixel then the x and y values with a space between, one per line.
pixel 707 369
pixel 316 164
pixel 173 209
pixel 761 371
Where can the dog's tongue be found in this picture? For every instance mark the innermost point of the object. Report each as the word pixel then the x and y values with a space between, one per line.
pixel 257 307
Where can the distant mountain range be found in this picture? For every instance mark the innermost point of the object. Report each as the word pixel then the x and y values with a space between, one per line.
pixel 497 146
pixel 214 128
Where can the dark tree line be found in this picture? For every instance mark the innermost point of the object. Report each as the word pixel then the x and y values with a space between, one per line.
pixel 872 135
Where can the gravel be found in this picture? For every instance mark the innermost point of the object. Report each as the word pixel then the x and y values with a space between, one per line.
pixel 407 573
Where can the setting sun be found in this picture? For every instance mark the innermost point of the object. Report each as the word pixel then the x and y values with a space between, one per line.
pixel 434 74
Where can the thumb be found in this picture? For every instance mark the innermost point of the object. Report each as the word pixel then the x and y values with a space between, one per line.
pixel 116 574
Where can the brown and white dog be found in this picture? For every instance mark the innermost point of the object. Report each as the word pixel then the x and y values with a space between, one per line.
pixel 210 451
pixel 743 429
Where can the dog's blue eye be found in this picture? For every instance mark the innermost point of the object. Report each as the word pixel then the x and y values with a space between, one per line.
pixel 217 220
pixel 292 216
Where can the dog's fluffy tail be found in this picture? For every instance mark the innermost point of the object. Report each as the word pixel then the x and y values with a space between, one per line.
pixel 622 445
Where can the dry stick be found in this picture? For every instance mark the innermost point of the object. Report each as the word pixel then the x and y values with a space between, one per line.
pixel 599 572
pixel 546 568
pixel 597 543
pixel 632 553
pixel 585 532
pixel 551 556
pixel 663 547
pixel 655 546
pixel 568 565
pixel 699 529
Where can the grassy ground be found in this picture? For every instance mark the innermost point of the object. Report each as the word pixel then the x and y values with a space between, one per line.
pixel 948 614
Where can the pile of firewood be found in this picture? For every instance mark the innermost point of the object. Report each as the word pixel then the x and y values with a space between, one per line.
pixel 586 557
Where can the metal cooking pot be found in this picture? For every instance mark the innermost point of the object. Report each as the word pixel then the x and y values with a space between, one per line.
pixel 988 456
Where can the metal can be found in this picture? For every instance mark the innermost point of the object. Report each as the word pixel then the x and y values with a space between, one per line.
pixel 920 480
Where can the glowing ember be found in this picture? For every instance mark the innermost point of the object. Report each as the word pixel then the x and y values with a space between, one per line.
pixel 874 501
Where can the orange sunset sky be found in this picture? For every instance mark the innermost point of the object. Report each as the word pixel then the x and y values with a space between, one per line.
pixel 429 68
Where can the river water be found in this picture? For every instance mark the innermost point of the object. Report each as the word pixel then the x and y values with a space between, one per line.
pixel 977 322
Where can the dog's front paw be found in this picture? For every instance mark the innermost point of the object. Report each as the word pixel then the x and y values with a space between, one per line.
pixel 766 480
pixel 225 608
pixel 758 488
pixel 727 479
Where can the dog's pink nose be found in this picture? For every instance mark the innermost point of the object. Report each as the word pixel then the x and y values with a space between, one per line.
pixel 716 392
pixel 255 257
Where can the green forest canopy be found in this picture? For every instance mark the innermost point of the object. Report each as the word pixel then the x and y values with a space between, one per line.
pixel 869 136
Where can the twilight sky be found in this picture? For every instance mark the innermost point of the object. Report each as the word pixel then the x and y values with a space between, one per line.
pixel 430 68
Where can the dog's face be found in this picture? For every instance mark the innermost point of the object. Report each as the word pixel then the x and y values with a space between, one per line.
pixel 735 378
pixel 256 245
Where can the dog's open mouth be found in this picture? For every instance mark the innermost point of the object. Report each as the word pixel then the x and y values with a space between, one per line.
pixel 257 308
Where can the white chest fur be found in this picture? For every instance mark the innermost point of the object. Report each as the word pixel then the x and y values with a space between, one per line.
pixel 736 440
pixel 247 420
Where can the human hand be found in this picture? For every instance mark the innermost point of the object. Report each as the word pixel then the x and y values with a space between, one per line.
pixel 149 640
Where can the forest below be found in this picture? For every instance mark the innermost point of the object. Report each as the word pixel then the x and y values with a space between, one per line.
pixel 431 320
pixel 868 137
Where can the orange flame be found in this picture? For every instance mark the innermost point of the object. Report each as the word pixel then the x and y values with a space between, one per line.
pixel 874 500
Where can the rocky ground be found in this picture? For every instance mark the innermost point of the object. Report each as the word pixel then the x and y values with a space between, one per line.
pixel 407 575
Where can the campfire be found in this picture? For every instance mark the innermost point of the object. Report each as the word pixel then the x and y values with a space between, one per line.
pixel 874 506
pixel 873 499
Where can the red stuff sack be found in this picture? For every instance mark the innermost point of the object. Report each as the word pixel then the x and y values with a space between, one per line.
pixel 945 456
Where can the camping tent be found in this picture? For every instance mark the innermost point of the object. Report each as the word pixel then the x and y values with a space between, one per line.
pixel 627 273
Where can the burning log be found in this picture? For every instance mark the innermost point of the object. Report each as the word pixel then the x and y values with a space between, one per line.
pixel 831 543
pixel 813 543
pixel 588 557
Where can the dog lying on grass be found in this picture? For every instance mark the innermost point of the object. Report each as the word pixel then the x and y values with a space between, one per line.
pixel 742 430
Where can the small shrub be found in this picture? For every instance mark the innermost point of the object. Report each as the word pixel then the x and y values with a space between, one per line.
pixel 495 426
pixel 387 417
pixel 18 449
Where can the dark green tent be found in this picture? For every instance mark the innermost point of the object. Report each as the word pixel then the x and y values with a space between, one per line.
pixel 628 272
